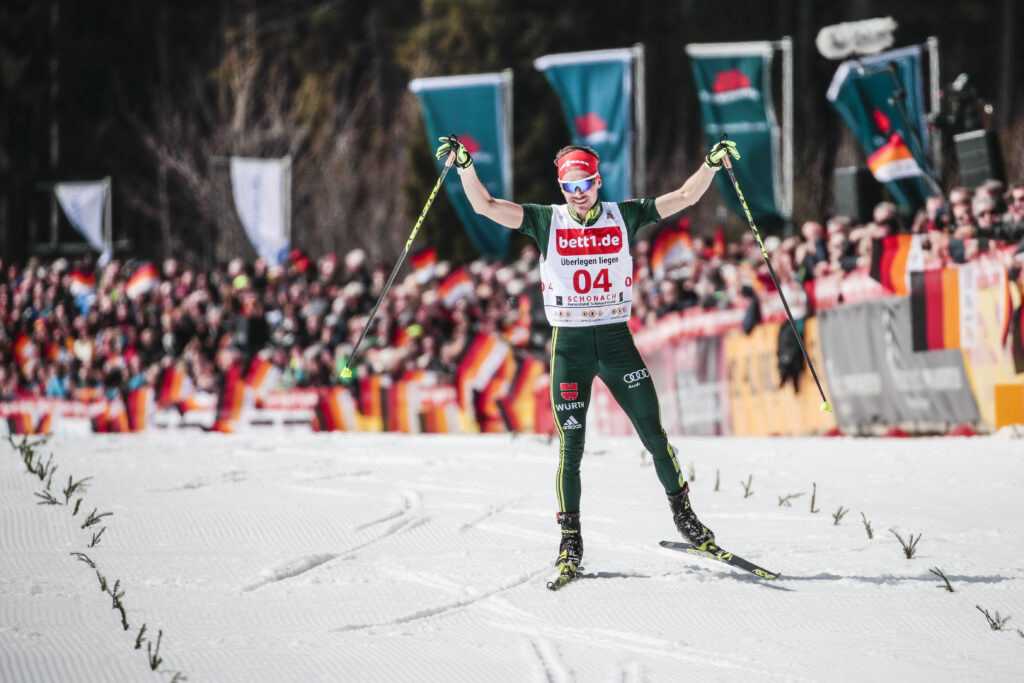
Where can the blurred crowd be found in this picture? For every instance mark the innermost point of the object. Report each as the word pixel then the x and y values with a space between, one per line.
pixel 72 329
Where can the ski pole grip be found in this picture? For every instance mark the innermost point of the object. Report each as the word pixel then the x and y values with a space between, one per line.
pixel 454 142
pixel 726 161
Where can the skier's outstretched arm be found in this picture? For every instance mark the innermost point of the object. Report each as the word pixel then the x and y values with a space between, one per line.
pixel 500 211
pixel 697 184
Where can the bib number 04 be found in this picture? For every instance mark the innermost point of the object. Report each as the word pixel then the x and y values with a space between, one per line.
pixel 582 281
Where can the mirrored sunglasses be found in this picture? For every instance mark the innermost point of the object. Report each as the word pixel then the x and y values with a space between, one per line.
pixel 583 185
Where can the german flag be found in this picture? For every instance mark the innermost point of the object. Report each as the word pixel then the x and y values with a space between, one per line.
pixel 935 309
pixel 174 386
pixel 893 161
pixel 371 403
pixel 144 279
pixel 441 418
pixel 456 286
pixel 892 257
pixel 21 423
pixel 231 401
pixel 489 411
pixel 335 410
pixel 423 263
pixel 114 419
pixel 82 283
pixel 262 377
pixel 140 407
pixel 25 351
pixel 403 403
pixel 672 247
pixel 484 357
pixel 518 407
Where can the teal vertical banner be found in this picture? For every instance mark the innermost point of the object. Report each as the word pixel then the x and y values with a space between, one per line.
pixel 596 91
pixel 881 99
pixel 477 109
pixel 734 89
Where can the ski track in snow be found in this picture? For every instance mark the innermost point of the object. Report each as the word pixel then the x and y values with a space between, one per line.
pixel 372 557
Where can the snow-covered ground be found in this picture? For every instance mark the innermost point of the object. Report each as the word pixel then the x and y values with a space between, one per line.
pixel 377 557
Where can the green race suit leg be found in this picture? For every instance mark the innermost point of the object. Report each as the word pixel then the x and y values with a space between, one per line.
pixel 573 367
pixel 622 369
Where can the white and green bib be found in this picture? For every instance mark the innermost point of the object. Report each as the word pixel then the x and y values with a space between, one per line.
pixel 587 272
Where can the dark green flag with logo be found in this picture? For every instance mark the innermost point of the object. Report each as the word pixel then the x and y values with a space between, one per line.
pixel 596 91
pixel 477 109
pixel 734 88
pixel 880 98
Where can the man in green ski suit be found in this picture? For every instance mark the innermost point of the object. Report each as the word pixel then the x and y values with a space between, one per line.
pixel 586 279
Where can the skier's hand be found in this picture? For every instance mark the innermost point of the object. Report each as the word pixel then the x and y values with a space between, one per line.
pixel 718 153
pixel 451 144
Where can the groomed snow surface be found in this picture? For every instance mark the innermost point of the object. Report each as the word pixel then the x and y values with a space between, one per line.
pixel 380 557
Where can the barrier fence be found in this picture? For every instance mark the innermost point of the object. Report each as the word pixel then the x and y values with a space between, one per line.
pixel 712 379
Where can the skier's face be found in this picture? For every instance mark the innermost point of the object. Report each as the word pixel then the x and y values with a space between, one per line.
pixel 580 191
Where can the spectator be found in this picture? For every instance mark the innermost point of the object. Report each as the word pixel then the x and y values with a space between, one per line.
pixel 963 220
pixel 987 216
pixel 812 251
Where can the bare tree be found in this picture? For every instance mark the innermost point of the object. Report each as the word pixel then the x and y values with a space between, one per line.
pixel 253 104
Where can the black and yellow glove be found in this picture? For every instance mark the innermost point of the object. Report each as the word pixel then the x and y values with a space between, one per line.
pixel 719 151
pixel 451 144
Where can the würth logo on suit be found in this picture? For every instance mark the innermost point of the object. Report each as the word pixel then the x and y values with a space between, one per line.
pixel 570 390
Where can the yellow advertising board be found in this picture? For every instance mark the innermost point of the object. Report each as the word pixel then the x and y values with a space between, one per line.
pixel 760 407
pixel 989 363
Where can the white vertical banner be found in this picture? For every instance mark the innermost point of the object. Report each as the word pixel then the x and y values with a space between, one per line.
pixel 262 192
pixel 86 204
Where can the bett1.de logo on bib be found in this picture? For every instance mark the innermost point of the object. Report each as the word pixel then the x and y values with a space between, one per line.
pixel 585 241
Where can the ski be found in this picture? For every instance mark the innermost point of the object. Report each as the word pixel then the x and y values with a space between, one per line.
pixel 715 552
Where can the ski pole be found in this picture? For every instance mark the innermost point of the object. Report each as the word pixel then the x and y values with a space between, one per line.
pixel 771 271
pixel 346 373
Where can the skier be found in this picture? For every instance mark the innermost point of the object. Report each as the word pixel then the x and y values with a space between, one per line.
pixel 586 279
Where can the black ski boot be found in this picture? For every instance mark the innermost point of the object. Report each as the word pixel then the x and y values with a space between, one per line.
pixel 570 550
pixel 686 521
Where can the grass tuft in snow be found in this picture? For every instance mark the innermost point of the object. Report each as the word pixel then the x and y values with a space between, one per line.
pixel 73 487
pixel 867 526
pixel 814 496
pixel 116 596
pixel 938 573
pixel 784 500
pixel 93 518
pixel 718 479
pixel 84 558
pixel 909 546
pixel 838 515
pixel 747 493
pixel 45 471
pixel 154 652
pixel 997 622
pixel 46 498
